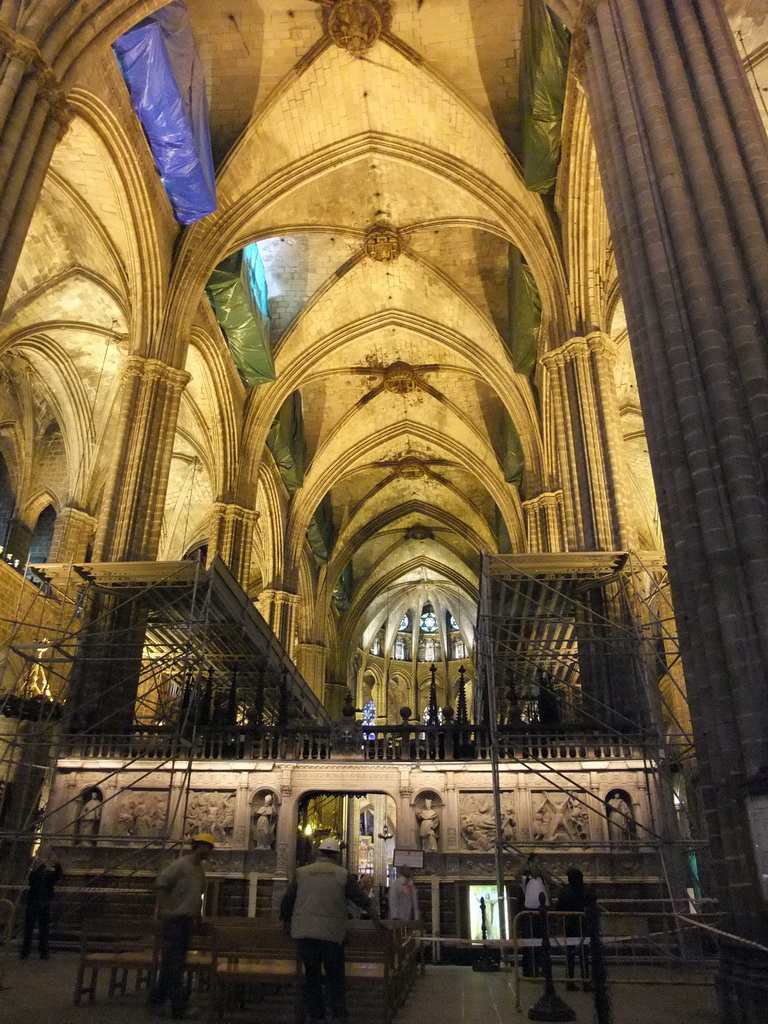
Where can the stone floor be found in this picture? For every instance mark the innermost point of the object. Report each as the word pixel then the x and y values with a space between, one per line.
pixel 35 992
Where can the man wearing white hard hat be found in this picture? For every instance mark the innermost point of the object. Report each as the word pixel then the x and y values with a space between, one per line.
pixel 181 887
pixel 315 907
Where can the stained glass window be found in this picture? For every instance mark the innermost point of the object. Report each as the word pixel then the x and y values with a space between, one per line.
pixel 452 623
pixel 369 718
pixel 428 620
pixel 405 623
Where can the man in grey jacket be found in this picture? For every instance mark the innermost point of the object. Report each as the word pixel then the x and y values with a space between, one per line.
pixel 181 887
pixel 315 907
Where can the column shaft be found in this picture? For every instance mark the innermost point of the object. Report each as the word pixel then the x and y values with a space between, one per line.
pixel 71 535
pixel 231 538
pixel 684 162
pixel 132 513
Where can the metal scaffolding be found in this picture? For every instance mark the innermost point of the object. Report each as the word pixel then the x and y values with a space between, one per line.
pixel 207 661
pixel 577 642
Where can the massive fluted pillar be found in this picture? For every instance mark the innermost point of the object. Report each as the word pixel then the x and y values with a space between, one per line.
pixel 582 396
pixel 34 115
pixel 231 538
pixel 106 673
pixel 684 162
pixel 72 535
pixel 132 513
pixel 279 608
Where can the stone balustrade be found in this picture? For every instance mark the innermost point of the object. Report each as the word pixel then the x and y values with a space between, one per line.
pixel 344 743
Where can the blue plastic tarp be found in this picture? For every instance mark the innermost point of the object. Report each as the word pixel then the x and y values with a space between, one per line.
pixel 162 68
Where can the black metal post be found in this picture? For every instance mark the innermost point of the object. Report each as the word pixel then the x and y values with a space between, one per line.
pixel 550 1007
pixel 603 1007
pixel 486 961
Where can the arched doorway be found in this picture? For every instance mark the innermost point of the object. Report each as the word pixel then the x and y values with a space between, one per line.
pixel 363 823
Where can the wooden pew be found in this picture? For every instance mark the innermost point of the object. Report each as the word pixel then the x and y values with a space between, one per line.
pixel 253 956
pixel 123 946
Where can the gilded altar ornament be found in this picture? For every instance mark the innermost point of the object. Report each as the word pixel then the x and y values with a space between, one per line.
pixel 355 25
pixel 383 244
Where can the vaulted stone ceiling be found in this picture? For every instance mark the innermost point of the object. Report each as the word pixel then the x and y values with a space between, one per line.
pixel 400 363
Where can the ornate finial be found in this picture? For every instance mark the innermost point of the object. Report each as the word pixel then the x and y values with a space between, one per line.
pixel 355 25
pixel 383 244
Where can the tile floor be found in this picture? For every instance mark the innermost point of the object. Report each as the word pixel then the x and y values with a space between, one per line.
pixel 35 992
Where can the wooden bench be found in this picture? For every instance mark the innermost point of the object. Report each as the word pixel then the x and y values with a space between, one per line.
pixel 374 969
pixel 253 956
pixel 122 946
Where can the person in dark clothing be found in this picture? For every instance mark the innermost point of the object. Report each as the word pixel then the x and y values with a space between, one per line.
pixel 315 908
pixel 575 898
pixel 42 879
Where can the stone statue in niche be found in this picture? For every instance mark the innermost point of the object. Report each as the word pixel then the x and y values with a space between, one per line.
pixel 621 821
pixel 88 821
pixel 212 812
pixel 429 826
pixel 478 826
pixel 560 816
pixel 265 823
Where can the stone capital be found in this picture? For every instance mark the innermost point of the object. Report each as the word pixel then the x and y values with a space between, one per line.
pixel 233 512
pixel 140 368
pixel 548 499
pixel 277 597
pixel 574 349
pixel 600 344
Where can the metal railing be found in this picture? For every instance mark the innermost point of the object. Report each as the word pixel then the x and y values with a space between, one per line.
pixel 356 743
pixel 653 944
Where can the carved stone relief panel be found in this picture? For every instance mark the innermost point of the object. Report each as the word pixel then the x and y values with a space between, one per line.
pixel 211 811
pixel 477 823
pixel 142 813
pixel 559 816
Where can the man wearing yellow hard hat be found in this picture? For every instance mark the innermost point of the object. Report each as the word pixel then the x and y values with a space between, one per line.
pixel 181 887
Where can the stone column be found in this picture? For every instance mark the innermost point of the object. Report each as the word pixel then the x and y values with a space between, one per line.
pixel 72 533
pixel 684 161
pixel 311 660
pixel 589 443
pixel 279 608
pixel 379 801
pixel 231 537
pixel 34 114
pixel 335 696
pixel 132 513
pixel 544 522
pixel 106 670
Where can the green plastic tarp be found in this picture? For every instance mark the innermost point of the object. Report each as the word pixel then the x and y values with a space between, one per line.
pixel 513 461
pixel 342 592
pixel 286 442
pixel 524 313
pixel 321 533
pixel 543 75
pixel 502 534
pixel 237 292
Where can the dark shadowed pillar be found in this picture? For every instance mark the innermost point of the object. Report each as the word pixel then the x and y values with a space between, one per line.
pixel 684 161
